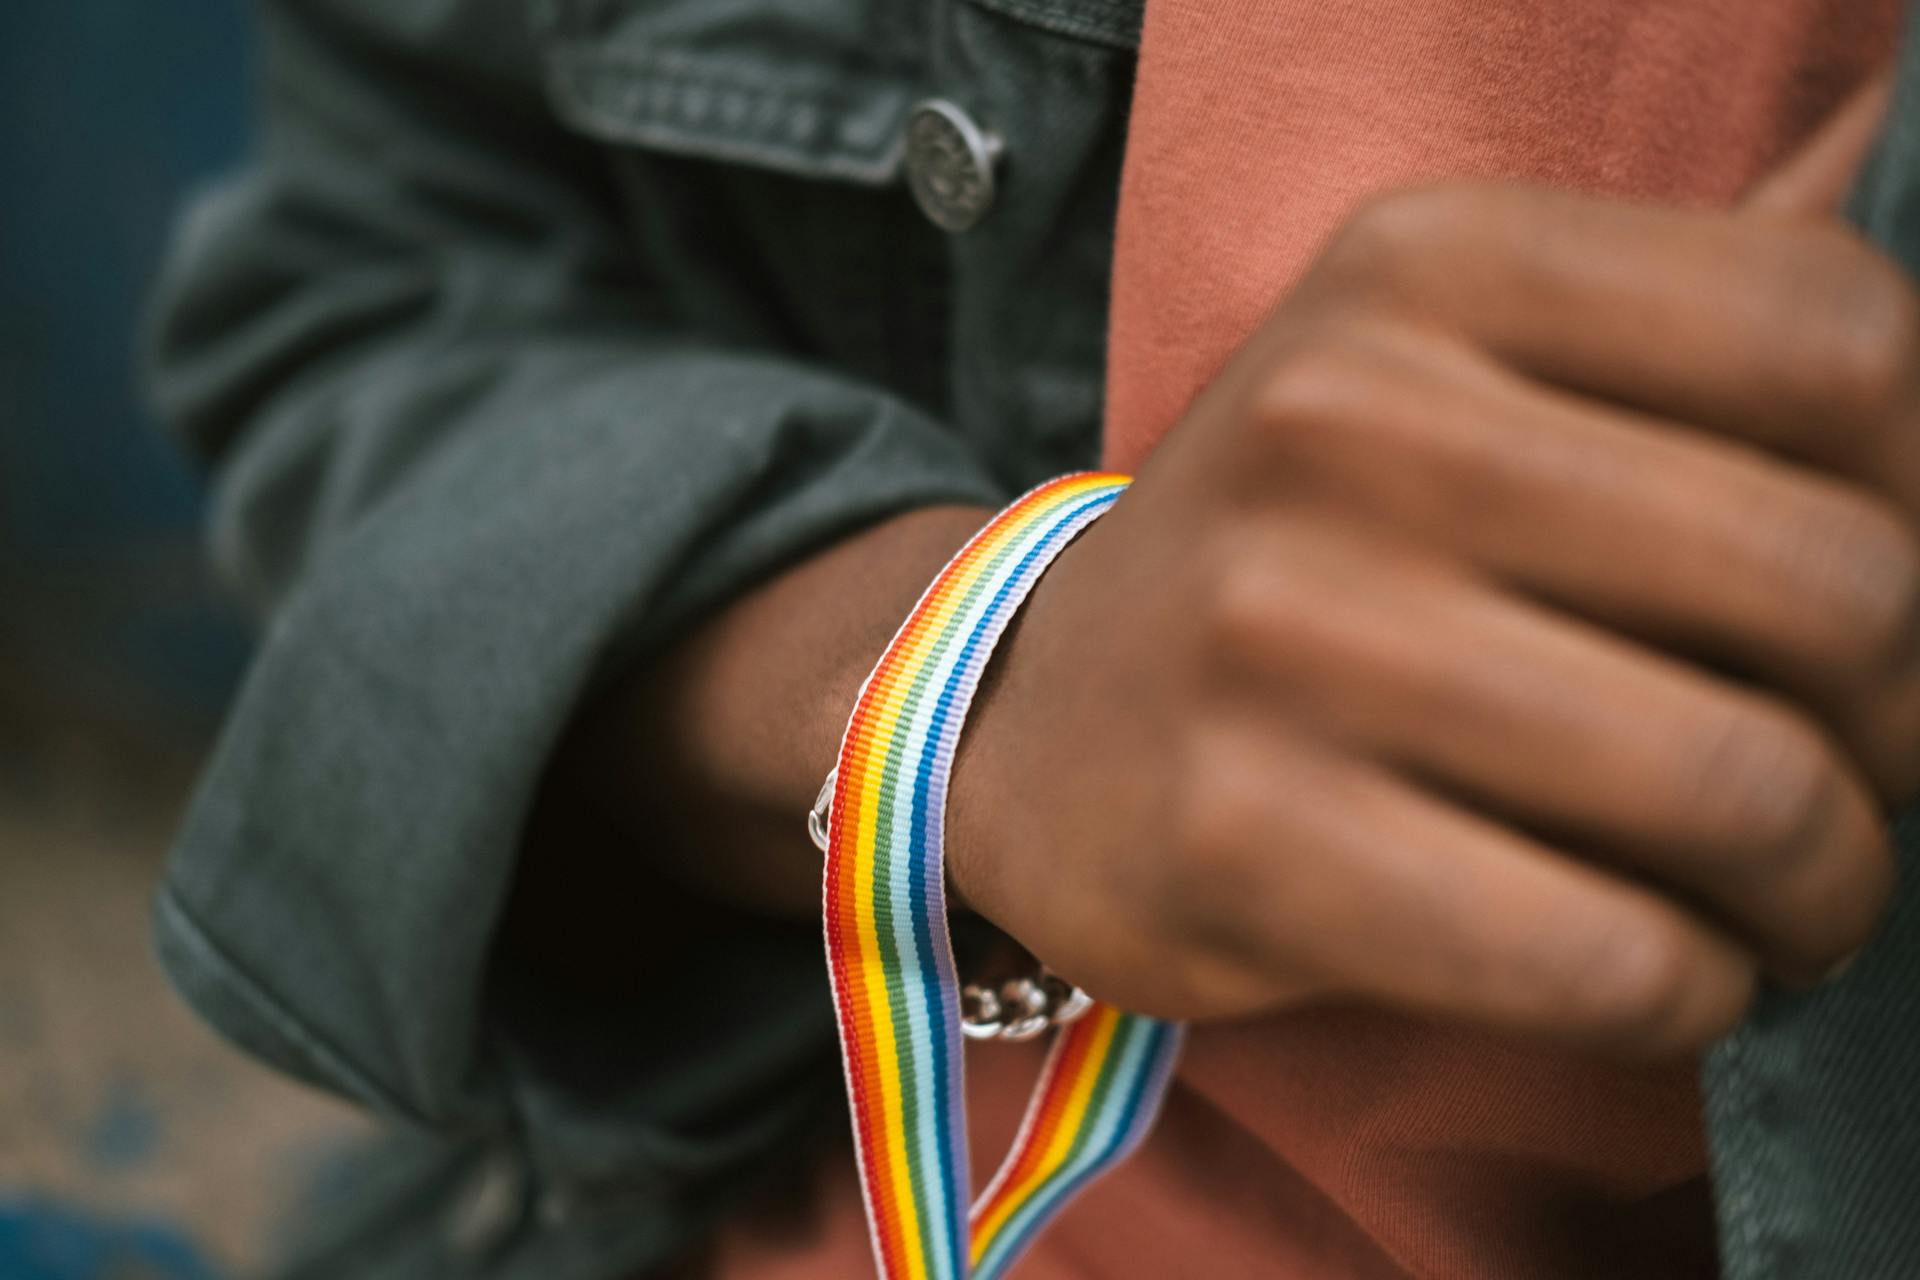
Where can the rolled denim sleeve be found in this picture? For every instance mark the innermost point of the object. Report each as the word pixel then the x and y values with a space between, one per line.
pixel 463 452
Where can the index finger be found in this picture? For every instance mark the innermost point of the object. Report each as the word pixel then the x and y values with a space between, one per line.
pixel 1793 336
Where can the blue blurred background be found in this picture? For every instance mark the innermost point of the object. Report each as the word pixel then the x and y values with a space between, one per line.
pixel 132 1143
pixel 109 111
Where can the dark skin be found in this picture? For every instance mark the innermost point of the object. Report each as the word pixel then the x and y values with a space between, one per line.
pixel 1522 629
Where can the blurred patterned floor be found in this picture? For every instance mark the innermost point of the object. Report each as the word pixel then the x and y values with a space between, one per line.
pixel 132 1142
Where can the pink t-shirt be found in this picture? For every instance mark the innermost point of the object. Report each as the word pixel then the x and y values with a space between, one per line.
pixel 1258 125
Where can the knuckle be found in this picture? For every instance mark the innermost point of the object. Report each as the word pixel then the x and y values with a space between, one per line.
pixel 1338 398
pixel 1375 236
pixel 1228 866
pixel 1321 384
pixel 1889 722
pixel 1857 891
pixel 1864 331
pixel 1241 611
pixel 1635 978
pixel 1837 890
pixel 1399 230
pixel 1860 566
pixel 1763 778
pixel 1799 832
pixel 1216 817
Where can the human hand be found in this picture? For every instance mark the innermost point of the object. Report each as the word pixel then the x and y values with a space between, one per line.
pixel 1521 629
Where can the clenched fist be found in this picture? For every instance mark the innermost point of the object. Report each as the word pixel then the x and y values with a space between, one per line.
pixel 1521 629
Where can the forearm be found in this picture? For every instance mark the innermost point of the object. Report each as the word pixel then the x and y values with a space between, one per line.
pixel 710 755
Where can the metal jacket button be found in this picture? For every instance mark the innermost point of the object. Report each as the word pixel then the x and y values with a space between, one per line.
pixel 950 162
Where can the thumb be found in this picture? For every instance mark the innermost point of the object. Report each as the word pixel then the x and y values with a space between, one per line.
pixel 1816 178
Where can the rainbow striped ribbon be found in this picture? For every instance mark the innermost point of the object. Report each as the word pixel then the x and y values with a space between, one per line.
pixel 895 990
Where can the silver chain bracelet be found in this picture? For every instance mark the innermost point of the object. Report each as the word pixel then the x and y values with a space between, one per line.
pixel 1018 1009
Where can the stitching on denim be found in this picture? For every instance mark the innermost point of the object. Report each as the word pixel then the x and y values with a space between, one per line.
pixel 664 116
pixel 1109 22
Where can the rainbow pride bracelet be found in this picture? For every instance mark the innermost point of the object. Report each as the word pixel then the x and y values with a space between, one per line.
pixel 896 993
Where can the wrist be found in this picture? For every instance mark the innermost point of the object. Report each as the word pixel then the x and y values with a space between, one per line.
pixel 994 807
pixel 977 796
pixel 704 755
pixel 898 999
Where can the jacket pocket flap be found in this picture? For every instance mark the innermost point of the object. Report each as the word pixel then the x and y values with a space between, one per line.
pixel 820 121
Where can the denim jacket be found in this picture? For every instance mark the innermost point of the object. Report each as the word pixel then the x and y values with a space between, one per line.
pixel 535 330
